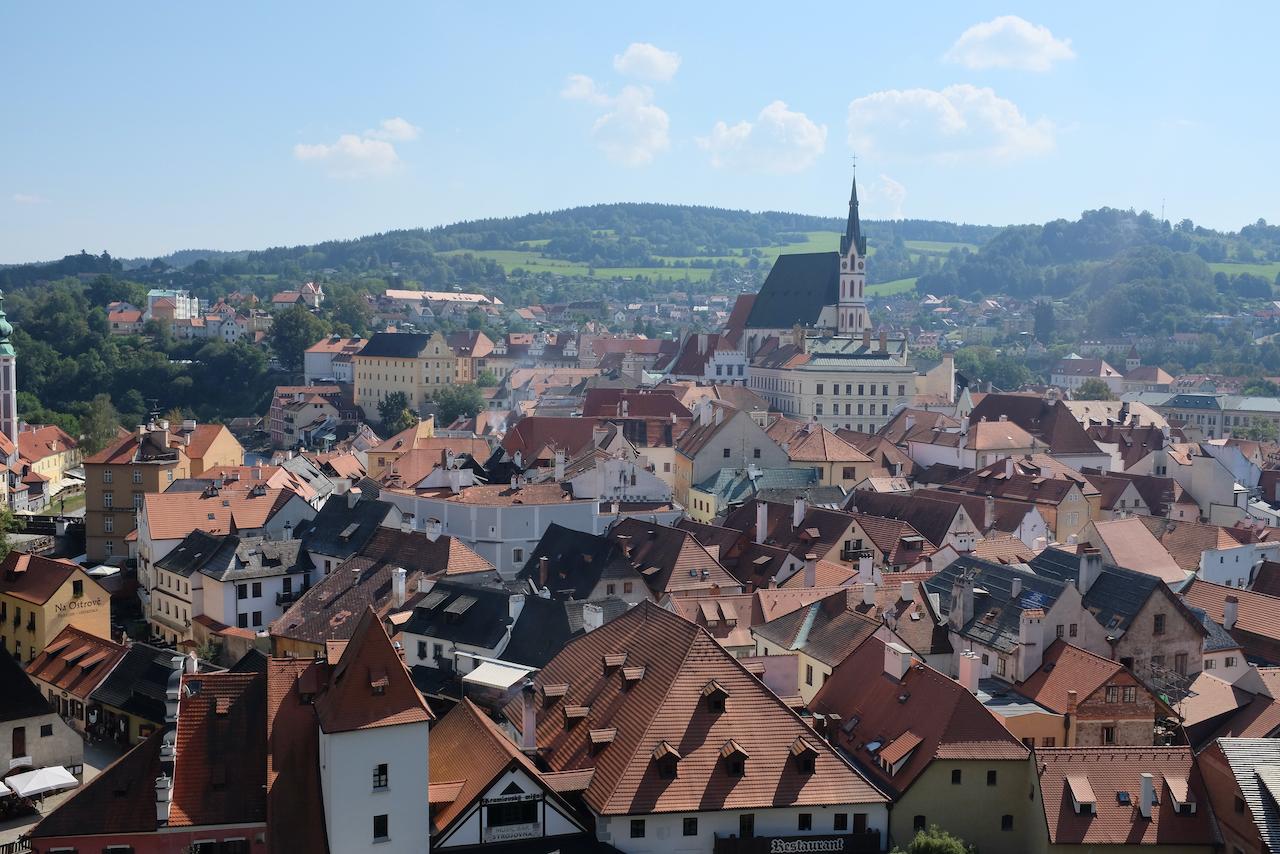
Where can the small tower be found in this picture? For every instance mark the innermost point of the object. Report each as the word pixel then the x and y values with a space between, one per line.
pixel 1132 360
pixel 852 316
pixel 8 380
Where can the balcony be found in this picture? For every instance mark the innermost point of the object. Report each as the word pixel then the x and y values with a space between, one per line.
pixel 863 842
pixel 283 599
pixel 852 555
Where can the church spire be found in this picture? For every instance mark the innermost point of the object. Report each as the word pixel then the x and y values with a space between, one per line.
pixel 6 329
pixel 853 229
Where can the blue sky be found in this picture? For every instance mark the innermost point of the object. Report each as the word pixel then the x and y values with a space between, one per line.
pixel 144 128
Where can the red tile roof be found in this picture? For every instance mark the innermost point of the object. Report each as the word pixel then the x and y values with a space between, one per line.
pixel 950 722
pixel 369 686
pixel 1257 625
pixel 1068 668
pixel 1109 770
pixel 119 800
pixel 33 578
pixel 36 443
pixel 172 515
pixel 295 805
pixel 75 661
pixel 667 704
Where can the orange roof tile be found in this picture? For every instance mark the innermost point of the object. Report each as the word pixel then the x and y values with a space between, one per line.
pixel 172 515
pixel 369 686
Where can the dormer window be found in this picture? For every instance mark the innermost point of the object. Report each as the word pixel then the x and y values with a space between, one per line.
pixel 613 661
pixel 667 759
pixel 378 684
pixel 804 754
pixel 735 758
pixel 716 695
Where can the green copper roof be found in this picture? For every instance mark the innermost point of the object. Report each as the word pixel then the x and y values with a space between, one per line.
pixel 6 329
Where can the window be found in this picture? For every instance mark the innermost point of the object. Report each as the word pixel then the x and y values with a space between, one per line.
pixel 1000 666
pixel 918 823
pixel 257 589
pixel 956 776
pixel 380 776
pixel 19 739
pixel 137 501
pixel 380 829
pixel 257 619
pixel 46 730
pixel 902 389
pixel 1159 625
pixel 609 589
pixel 286 586
pixel 1029 742
pixel 242 621
pixel 991 777
pixel 755 452
pixel 819 388
pixel 437 650
pixel 808 674
pixel 137 475
pixel 517 555
pixel 108 499
pixel 747 825
pixel 109 524
pixel 805 821
pixel 1230 661
pixel 1180 663
pixel 817 409
pixel 107 475
pixel 1108 735
pixel 1060 630
pixel 1130 694
pixel 77 588
pixel 422 650
pixel 1006 822
pixel 726 453
pixel 840 821
pixel 1210 664
pixel 1157 661
pixel 637 828
pixel 691 826
pixel 1113 693
pixel 242 591
pixel 1073 630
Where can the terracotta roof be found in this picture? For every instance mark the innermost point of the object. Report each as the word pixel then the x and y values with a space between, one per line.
pixel 900 543
pixel 1258 716
pixel 1003 549
pixel 173 515
pixel 820 445
pixel 36 443
pixel 369 686
pixel 680 660
pixel 295 804
pixel 828 575
pixel 1049 421
pixel 1110 770
pixel 1068 668
pixel 669 559
pixel 220 774
pixel 1257 616
pixel 337 344
pixel 33 578
pixel 923 421
pixel 1186 541
pixel 1132 546
pixel 927 515
pixel 639 403
pixel 75 661
pixel 120 800
pixel 123 449
pixel 997 435
pixel 827 630
pixel 950 722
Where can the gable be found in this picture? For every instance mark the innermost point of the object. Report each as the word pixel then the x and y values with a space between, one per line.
pixel 512 787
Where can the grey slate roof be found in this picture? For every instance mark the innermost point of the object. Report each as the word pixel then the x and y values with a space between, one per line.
pixel 997 613
pixel 138 683
pixel 735 485
pixel 1253 760
pixel 228 557
pixel 446 614
pixel 19 696
pixel 395 345
pixel 576 560
pixel 198 550
pixel 1114 598
pixel 330 532
pixel 1218 638
pixel 796 290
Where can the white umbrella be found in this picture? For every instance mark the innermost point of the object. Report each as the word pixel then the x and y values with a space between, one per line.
pixel 4 790
pixel 42 780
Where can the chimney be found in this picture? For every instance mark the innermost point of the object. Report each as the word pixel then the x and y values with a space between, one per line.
pixel 797 512
pixel 869 594
pixel 811 570
pixel 398 576
pixel 908 593
pixel 884 341
pixel 970 671
pixel 433 529
pixel 866 570
pixel 909 422
pixel 719 414
pixel 1090 569
pixel 142 430
pixel 762 521
pixel 988 513
pixel 1008 466
pixel 961 602
pixel 598 434
pixel 528 718
pixel 1015 588
pixel 353 498
pixel 1230 612
pixel 1030 637
pixel 1148 796
pixel 1073 699
pixel 592 617
pixel 455 480
pixel 897 661
pixel 190 664
pixel 624 408
pixel 515 604
pixel 164 795
pixel 1039 544
pixel 866 338
pixel 542 571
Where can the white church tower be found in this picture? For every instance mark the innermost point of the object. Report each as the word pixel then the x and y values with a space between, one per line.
pixel 852 315
pixel 8 380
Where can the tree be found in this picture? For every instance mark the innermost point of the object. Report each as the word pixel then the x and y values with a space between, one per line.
pixel 935 840
pixel 8 524
pixel 1258 430
pixel 391 407
pixel 292 332
pixel 486 379
pixel 1045 322
pixel 457 401
pixel 1093 389
pixel 99 424
pixel 1259 387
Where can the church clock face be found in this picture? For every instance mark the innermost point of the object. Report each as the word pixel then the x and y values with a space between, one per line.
pixel 859 265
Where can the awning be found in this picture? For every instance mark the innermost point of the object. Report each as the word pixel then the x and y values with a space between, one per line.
pixel 500 676
pixel 42 780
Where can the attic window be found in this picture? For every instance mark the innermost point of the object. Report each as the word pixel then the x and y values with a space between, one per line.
pixel 805 754
pixel 573 714
pixel 631 675
pixel 378 683
pixel 613 661
pixel 556 691
pixel 716 695
pixel 735 757
pixel 667 758
pixel 600 738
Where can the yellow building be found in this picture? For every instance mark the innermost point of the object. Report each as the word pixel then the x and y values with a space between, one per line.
pixel 50 452
pixel 147 460
pixel 39 597
pixel 411 363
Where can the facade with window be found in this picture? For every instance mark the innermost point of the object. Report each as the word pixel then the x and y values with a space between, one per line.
pixel 413 364
pixel 32 735
pixel 41 596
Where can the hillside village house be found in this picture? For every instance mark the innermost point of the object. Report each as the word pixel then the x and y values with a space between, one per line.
pixel 69 669
pixel 40 596
pixel 415 364
pixel 721 436
pixel 147 460
pixel 50 452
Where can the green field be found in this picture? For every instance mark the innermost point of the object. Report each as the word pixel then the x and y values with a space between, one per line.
pixel 531 259
pixel 1266 271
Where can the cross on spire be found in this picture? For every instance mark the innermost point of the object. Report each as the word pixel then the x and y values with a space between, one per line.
pixel 852 237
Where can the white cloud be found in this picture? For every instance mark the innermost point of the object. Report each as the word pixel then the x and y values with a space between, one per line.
pixel 955 123
pixel 892 193
pixel 1009 42
pixel 647 62
pixel 780 141
pixel 28 199
pixel 580 87
pixel 634 129
pixel 360 155
pixel 396 130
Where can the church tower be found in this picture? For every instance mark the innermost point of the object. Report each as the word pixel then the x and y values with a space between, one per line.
pixel 852 316
pixel 8 380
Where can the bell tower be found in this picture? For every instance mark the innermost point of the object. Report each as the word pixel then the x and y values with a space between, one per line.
pixel 8 381
pixel 851 313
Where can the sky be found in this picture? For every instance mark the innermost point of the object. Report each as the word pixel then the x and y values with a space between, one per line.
pixel 144 128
